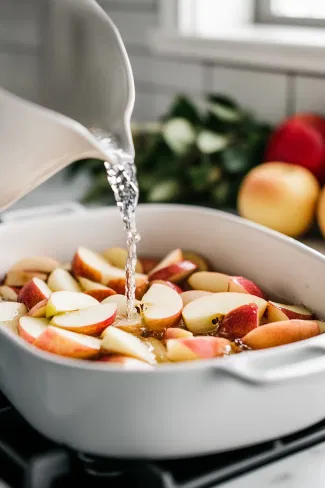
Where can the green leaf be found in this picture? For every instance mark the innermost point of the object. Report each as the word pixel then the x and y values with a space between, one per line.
pixel 179 135
pixel 182 107
pixel 221 193
pixel 236 160
pixel 208 142
pixel 165 191
pixel 224 108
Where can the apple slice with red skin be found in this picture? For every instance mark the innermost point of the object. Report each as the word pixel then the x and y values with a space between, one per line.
pixel 148 264
pixel 174 272
pixel 191 295
pixel 278 312
pixel 209 281
pixel 173 257
pixel 39 310
pixel 168 283
pixel 69 344
pixel 68 301
pixel 120 342
pixel 125 361
pixel 177 333
pixel 239 322
pixel 203 314
pixel 34 291
pixel 30 328
pixel 100 295
pixel 194 348
pixel 91 321
pixel 281 333
pixel 239 284
pixel 161 307
pixel 61 280
pixel 201 263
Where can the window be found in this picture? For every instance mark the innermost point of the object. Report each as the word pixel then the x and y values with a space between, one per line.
pixel 296 12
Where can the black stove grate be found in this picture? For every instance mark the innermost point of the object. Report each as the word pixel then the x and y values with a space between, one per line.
pixel 28 460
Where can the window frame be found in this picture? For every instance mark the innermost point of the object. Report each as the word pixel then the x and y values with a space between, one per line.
pixel 264 15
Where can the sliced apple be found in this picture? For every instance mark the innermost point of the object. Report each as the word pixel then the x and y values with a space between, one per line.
pixel 174 257
pixel 174 272
pixel 168 283
pixel 158 349
pixel 43 264
pixel 177 333
pixel 209 281
pixel 61 280
pixel 277 312
pixel 134 325
pixel 125 361
pixel 239 284
pixel 39 310
pixel 200 261
pixel 280 333
pixel 91 320
pixel 194 348
pixel 205 313
pixel 10 313
pixel 89 285
pixel 118 285
pixel 161 307
pixel 8 293
pixel 239 321
pixel 100 295
pixel 68 301
pixel 117 256
pixel 30 328
pixel 34 291
pixel 121 303
pixel 120 342
pixel 148 264
pixel 191 295
pixel 67 343
pixel 19 278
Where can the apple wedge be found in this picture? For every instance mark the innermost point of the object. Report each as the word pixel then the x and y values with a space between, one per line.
pixel 125 361
pixel 68 301
pixel 100 295
pixel 148 264
pixel 277 312
pixel 200 261
pixel 117 256
pixel 239 321
pixel 239 284
pixel 19 278
pixel 157 348
pixel 205 313
pixel 161 307
pixel 280 333
pixel 66 343
pixel 177 333
pixel 10 313
pixel 8 293
pixel 39 310
pixel 89 285
pixel 194 348
pixel 118 285
pixel 34 291
pixel 61 280
pixel 91 320
pixel 191 295
pixel 121 303
pixel 174 272
pixel 174 257
pixel 30 328
pixel 120 342
pixel 132 325
pixel 168 283
pixel 209 281
pixel 43 264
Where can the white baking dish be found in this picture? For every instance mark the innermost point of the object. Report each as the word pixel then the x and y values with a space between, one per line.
pixel 182 409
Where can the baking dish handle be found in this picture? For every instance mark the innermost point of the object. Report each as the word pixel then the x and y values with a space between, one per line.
pixel 44 210
pixel 278 366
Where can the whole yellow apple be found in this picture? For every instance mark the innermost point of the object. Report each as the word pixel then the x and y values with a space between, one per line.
pixel 320 212
pixel 281 196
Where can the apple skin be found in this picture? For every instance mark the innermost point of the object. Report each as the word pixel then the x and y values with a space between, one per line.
pixel 240 284
pixel 125 361
pixel 278 312
pixel 33 292
pixel 88 264
pixel 280 333
pixel 194 348
pixel 173 257
pixel 174 272
pixel 320 212
pixel 177 333
pixel 148 264
pixel 39 310
pixel 100 295
pixel 239 322
pixel 202 264
pixel 68 344
pixel 118 285
pixel 191 295
pixel 209 281
pixel 168 283
pixel 281 196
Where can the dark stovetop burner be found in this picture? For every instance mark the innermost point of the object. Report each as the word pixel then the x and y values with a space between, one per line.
pixel 28 460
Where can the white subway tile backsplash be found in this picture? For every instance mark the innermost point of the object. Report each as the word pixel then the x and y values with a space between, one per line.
pixel 19 73
pixel 133 26
pixel 310 94
pixel 170 73
pixel 20 22
pixel 264 94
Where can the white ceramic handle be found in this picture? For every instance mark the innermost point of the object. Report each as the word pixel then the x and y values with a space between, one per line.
pixel 44 210
pixel 279 366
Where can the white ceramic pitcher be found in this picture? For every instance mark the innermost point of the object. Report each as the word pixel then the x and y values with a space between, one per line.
pixel 37 141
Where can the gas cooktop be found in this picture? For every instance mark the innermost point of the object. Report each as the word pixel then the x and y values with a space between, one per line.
pixel 28 460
